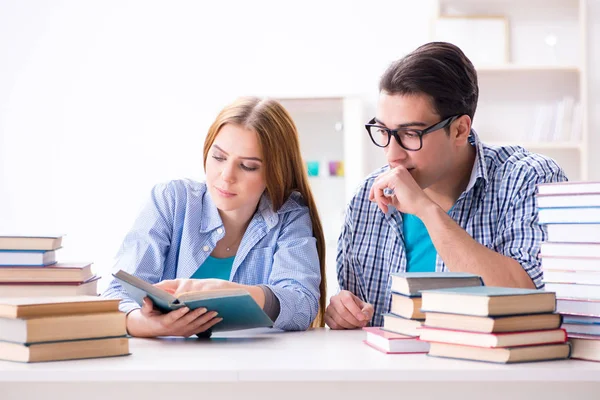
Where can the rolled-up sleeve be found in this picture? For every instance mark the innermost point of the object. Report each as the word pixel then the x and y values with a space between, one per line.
pixel 145 247
pixel 295 274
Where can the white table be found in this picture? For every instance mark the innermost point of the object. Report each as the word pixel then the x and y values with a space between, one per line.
pixel 267 364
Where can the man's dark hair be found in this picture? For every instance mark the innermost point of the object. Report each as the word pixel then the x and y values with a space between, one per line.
pixel 440 70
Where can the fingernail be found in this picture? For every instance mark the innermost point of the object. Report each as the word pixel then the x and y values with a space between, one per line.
pixel 214 314
pixel 184 310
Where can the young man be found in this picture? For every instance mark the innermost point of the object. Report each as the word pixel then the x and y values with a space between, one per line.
pixel 458 205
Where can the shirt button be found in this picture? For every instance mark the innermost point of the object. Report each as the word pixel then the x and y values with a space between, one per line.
pixel 220 230
pixel 206 248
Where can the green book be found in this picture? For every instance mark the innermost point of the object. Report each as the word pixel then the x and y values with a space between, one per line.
pixel 488 301
pixel 237 308
pixel 411 283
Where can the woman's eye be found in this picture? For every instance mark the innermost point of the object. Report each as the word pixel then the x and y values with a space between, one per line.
pixel 249 168
pixel 218 158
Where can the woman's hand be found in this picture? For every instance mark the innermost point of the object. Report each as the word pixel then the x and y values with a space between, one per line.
pixel 178 286
pixel 149 322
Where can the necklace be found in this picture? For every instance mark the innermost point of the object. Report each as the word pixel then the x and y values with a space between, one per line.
pixel 234 243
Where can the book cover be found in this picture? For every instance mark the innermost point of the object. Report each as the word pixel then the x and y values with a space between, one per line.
pixel 488 301
pixel 28 242
pixel 237 308
pixel 412 283
pixel 27 257
pixel 393 343
pixel 46 306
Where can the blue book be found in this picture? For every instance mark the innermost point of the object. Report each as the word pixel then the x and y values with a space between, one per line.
pixel 411 283
pixel 487 301
pixel 27 258
pixel 237 308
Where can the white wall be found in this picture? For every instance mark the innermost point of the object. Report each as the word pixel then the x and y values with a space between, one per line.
pixel 99 100
pixel 594 87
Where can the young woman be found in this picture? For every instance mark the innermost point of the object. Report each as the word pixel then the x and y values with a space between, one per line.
pixel 252 224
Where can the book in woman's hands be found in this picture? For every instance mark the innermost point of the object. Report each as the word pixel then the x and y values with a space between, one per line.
pixel 237 308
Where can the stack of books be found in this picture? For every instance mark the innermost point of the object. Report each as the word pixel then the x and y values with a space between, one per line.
pixel 29 267
pixel 494 324
pixel 405 316
pixel 571 259
pixel 61 328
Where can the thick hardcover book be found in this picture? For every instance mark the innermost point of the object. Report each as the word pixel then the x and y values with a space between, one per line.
pixel 411 283
pixel 237 308
pixel 488 301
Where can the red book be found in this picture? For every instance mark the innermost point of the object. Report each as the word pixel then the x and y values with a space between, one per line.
pixel 393 343
pixel 505 339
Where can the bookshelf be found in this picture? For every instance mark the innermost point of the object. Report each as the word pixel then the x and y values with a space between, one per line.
pixel 331 129
pixel 531 99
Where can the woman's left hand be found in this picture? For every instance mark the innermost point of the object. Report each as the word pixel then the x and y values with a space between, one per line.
pixel 178 286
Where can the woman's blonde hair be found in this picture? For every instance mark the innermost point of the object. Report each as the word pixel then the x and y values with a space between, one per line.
pixel 283 165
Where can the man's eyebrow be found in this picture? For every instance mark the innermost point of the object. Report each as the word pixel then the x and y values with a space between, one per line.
pixel 406 125
pixel 244 158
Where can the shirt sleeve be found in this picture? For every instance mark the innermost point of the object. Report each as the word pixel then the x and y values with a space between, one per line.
pixel 295 274
pixel 145 247
pixel 520 235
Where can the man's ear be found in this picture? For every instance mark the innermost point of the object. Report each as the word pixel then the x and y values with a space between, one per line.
pixel 462 129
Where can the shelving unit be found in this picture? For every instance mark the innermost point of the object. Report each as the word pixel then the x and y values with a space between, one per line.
pixel 536 75
pixel 331 129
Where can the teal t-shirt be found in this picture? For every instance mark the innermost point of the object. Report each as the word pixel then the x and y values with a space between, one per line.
pixel 420 252
pixel 214 268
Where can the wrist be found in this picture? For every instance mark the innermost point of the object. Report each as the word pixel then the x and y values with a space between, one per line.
pixel 428 210
pixel 257 293
pixel 131 321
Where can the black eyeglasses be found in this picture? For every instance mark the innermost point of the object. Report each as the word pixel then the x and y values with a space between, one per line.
pixel 408 138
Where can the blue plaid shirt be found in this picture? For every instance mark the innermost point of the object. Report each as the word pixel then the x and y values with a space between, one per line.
pixel 497 209
pixel 180 226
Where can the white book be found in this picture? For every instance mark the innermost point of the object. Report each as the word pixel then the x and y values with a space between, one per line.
pixel 552 249
pixel 574 233
pixel 569 215
pixel 568 200
pixel 27 257
pixel 588 329
pixel 559 113
pixel 568 109
pixel 568 188
pixel 557 276
pixel 574 291
pixel 578 307
pixel 577 125
pixel 570 263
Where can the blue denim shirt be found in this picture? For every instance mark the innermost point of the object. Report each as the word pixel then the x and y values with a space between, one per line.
pixel 180 226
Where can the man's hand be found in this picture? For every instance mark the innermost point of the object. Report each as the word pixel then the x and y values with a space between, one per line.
pixel 408 197
pixel 346 311
pixel 149 322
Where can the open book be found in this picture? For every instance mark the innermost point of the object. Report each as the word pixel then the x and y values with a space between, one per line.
pixel 237 308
